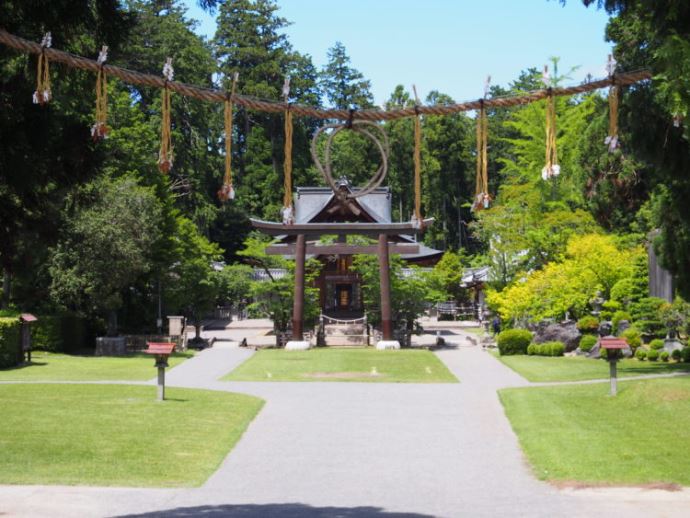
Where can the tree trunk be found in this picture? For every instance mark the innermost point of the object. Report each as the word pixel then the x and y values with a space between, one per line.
pixel 112 323
pixel 6 286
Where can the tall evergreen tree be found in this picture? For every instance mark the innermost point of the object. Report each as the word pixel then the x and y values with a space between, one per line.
pixel 344 87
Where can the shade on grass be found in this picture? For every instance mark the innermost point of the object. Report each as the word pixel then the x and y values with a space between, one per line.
pixel 332 364
pixel 117 434
pixel 579 433
pixel 63 367
pixel 569 368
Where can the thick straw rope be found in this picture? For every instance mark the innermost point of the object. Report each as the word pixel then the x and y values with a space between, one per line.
pixel 207 94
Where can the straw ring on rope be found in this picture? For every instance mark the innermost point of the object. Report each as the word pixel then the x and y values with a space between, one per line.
pixel 325 167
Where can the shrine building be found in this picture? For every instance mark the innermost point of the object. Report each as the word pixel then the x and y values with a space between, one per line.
pixel 340 293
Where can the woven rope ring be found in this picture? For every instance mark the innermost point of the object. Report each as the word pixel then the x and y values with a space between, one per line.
pixel 378 137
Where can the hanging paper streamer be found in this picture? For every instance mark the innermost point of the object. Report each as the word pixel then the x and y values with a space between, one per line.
pixel 227 192
pixel 482 199
pixel 99 130
pixel 165 155
pixel 611 139
pixel 551 169
pixel 43 94
pixel 417 220
pixel 287 211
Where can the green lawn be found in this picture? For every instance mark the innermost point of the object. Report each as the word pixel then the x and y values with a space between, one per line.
pixel 117 434
pixel 343 365
pixel 63 367
pixel 573 368
pixel 579 433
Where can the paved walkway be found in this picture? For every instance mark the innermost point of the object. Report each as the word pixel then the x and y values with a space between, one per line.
pixel 356 450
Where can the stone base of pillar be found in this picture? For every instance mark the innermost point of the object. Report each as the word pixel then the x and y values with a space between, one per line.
pixel 387 344
pixel 294 345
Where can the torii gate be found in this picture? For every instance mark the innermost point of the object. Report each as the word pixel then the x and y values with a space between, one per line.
pixel 381 231
pixel 383 250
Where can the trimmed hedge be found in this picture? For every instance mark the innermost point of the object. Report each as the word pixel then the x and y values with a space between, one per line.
pixel 588 324
pixel 664 356
pixel 652 355
pixel 640 354
pixel 10 347
pixel 46 334
pixel 513 341
pixel 546 349
pixel 587 342
pixel 676 355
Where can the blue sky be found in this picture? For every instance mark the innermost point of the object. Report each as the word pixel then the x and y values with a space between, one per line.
pixel 445 45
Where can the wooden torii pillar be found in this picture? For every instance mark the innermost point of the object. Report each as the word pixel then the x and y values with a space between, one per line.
pixel 298 301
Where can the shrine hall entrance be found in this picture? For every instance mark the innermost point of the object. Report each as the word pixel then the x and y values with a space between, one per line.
pixel 343 295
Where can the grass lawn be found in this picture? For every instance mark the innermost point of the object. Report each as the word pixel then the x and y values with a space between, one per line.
pixel 117 434
pixel 569 368
pixel 63 367
pixel 579 433
pixel 331 364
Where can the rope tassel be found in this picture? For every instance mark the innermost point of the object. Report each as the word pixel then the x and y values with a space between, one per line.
pixel 165 155
pixel 551 168
pixel 287 212
pixel 227 192
pixel 611 139
pixel 43 93
pixel 482 199
pixel 99 130
pixel 417 219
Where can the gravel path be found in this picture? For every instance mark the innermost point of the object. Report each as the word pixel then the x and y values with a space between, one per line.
pixel 358 449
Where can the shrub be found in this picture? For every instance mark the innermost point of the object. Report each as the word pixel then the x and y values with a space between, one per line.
pixel 664 356
pixel 676 355
pixel 617 317
pixel 652 355
pixel 46 334
pixel 10 347
pixel 606 315
pixel 588 324
pixel 557 349
pixel 633 337
pixel 587 342
pixel 640 354
pixel 651 327
pixel 547 349
pixel 513 341
pixel 603 353
pixel 685 354
pixel 612 305
pixel 656 344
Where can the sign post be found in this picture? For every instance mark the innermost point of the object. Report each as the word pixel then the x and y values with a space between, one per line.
pixel 161 350
pixel 614 348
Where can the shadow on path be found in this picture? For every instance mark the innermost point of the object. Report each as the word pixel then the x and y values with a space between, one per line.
pixel 269 510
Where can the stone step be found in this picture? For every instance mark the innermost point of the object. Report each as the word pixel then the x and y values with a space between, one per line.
pixel 343 340
pixel 345 329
